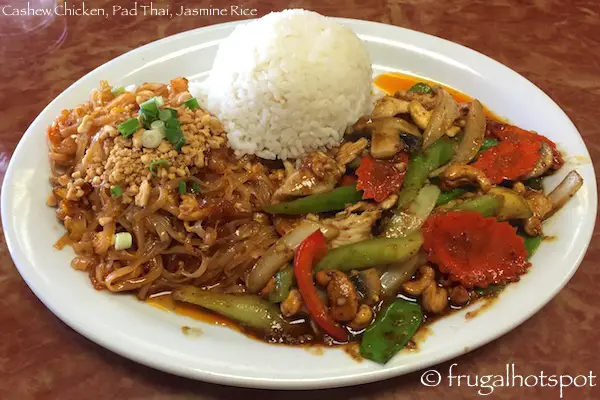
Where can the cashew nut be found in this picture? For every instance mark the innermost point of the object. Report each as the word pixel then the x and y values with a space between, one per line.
pixel 322 278
pixel 416 287
pixel 435 298
pixel 389 202
pixel 363 318
pixel 292 304
pixel 538 202
pixel 519 188
pixel 540 205
pixel 343 299
pixel 459 296
pixel 533 226
pixel 461 174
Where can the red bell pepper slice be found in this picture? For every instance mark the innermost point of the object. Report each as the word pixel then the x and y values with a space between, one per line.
pixel 308 253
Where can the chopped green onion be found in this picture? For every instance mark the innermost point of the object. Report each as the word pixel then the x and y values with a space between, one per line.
pixel 182 187
pixel 195 188
pixel 158 125
pixel 175 137
pixel 177 146
pixel 150 106
pixel 151 138
pixel 123 241
pixel 192 103
pixel 167 113
pixel 159 101
pixel 146 120
pixel 129 127
pixel 172 123
pixel 116 191
pixel 117 91
pixel 158 163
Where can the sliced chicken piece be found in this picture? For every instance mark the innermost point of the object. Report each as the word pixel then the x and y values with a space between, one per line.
pixel 427 100
pixel 389 106
pixel 318 173
pixel 350 150
pixel 353 227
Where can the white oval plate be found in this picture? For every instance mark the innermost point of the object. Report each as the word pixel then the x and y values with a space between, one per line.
pixel 154 337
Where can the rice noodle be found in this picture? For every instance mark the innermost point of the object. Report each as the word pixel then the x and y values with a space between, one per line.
pixel 215 248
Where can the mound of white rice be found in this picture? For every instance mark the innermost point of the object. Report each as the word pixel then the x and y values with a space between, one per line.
pixel 289 83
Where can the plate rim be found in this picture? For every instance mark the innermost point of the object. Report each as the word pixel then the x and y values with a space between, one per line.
pixel 255 382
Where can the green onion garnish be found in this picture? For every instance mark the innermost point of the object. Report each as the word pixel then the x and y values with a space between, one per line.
pixel 150 106
pixel 172 123
pixel 129 127
pixel 158 125
pixel 116 191
pixel 157 163
pixel 192 103
pixel 159 101
pixel 146 120
pixel 177 146
pixel 175 137
pixel 167 113
pixel 123 240
pixel 117 91
pixel 195 187
pixel 182 187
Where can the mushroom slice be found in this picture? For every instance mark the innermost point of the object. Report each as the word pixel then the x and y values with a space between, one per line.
pixel 543 164
pixel 390 135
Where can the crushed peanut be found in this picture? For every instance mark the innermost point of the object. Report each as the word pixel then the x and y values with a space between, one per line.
pixel 112 159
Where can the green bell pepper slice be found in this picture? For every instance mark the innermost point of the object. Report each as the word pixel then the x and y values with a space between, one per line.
pixel 390 332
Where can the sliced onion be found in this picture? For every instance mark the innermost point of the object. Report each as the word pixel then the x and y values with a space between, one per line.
pixel 283 251
pixel 564 191
pixel 442 118
pixel 406 221
pixel 395 275
pixel 473 134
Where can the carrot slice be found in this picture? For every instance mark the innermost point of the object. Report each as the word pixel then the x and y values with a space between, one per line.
pixel 474 250
pixel 509 159
pixel 515 134
pixel 378 179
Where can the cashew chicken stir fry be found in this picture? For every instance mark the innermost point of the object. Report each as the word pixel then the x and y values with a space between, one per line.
pixel 427 205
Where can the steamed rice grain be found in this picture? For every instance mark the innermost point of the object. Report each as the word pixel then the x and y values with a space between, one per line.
pixel 288 84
